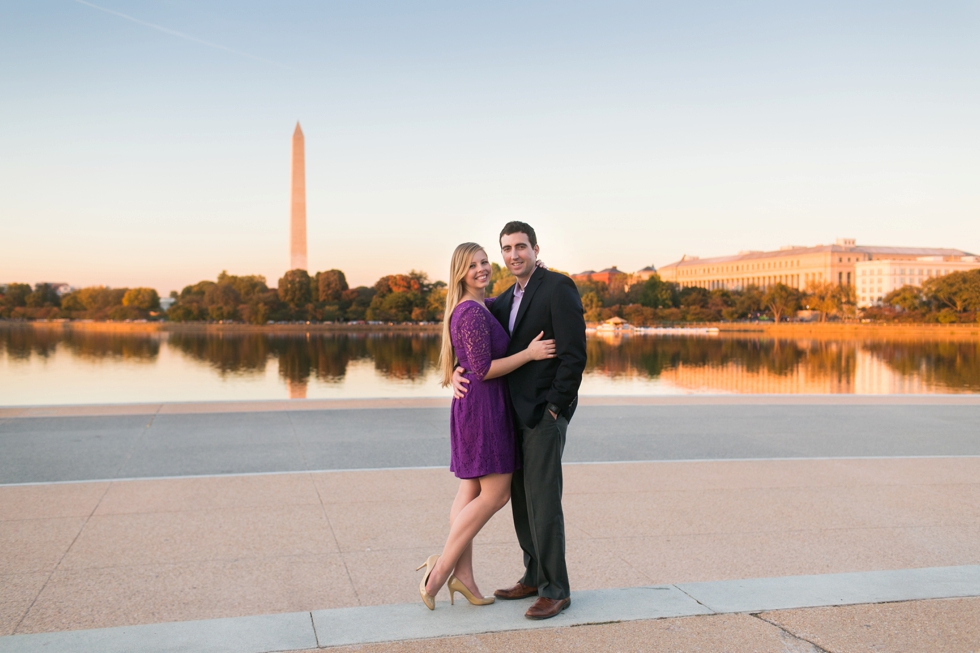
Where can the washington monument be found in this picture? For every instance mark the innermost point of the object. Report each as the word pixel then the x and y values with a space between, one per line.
pixel 297 213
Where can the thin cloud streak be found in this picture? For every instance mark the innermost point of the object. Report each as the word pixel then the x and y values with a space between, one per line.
pixel 181 35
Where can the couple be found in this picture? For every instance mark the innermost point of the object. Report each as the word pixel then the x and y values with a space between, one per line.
pixel 520 362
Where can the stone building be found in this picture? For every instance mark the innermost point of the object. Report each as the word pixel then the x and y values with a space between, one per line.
pixel 877 278
pixel 794 266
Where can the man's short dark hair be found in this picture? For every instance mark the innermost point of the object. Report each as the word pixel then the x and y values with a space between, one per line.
pixel 516 227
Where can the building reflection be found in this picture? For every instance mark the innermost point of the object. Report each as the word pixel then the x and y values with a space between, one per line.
pixel 784 366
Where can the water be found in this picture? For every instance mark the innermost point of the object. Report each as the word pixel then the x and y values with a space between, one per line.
pixel 51 366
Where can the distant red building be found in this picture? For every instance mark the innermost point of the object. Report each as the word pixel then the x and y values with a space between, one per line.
pixel 606 276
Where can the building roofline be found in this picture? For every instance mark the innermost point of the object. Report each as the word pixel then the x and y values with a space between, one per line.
pixel 798 251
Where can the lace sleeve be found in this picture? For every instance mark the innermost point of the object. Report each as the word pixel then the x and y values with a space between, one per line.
pixel 473 340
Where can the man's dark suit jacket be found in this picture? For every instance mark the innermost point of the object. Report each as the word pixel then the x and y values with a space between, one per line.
pixel 551 303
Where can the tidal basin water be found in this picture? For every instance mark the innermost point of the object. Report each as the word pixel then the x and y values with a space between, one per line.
pixel 54 366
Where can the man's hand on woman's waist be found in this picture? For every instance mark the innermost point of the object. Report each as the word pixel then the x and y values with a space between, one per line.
pixel 459 383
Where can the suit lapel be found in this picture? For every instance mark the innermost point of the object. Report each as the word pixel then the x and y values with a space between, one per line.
pixel 500 308
pixel 532 285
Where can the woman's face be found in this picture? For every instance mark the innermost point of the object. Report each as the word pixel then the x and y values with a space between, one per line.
pixel 478 275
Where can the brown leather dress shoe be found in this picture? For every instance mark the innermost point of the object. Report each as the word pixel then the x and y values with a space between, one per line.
pixel 519 591
pixel 545 608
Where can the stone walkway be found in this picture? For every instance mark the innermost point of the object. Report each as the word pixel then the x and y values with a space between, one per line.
pixel 774 489
pixel 941 626
pixel 94 555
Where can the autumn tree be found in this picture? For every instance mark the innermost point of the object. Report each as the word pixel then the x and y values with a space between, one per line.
pixel 331 286
pixel 592 305
pixel 142 299
pixel 437 301
pixel 396 296
pixel 16 295
pixel 500 280
pixel 830 298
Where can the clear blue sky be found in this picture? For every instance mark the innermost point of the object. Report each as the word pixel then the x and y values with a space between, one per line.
pixel 152 148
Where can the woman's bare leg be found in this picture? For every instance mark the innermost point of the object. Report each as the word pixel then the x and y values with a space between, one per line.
pixel 494 494
pixel 469 489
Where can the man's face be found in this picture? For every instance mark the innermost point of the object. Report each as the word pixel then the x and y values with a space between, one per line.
pixel 519 256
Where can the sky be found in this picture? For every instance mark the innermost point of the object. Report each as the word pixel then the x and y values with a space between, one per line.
pixel 147 142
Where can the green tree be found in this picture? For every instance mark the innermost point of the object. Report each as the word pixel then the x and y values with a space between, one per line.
pixel 749 301
pixel 221 301
pixel 294 288
pixel 694 296
pixel 72 302
pixel 592 305
pixel 959 291
pixel 907 298
pixel 358 299
pixel 657 293
pixel 43 295
pixel 247 286
pixel 781 299
pixel 393 307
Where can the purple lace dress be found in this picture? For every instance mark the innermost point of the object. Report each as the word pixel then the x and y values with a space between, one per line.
pixel 481 425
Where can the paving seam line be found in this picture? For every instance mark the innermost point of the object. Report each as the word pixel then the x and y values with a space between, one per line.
pixel 578 463
pixel 386 623
pixel 374 403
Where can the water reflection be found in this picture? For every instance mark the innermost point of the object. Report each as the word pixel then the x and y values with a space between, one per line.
pixel 331 362
pixel 21 343
pixel 302 356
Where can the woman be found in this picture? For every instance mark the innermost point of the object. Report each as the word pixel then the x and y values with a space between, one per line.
pixel 484 451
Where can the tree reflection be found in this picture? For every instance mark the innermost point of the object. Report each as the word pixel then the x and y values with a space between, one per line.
pixel 951 365
pixel 228 353
pixel 651 357
pixel 727 363
pixel 323 356
pixel 404 357
pixel 20 343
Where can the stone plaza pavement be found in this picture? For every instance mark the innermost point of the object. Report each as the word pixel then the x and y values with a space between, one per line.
pixel 107 552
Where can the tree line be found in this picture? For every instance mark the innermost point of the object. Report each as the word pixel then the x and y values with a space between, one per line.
pixel 326 297
pixel 947 299
pixel 42 302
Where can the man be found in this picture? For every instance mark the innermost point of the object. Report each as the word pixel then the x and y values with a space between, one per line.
pixel 544 394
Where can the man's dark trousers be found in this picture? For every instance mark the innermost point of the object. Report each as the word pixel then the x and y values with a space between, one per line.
pixel 535 500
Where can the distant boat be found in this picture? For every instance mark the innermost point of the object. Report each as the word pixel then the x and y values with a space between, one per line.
pixel 614 325
pixel 684 331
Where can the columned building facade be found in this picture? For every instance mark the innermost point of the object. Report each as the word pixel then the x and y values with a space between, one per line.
pixel 875 279
pixel 797 267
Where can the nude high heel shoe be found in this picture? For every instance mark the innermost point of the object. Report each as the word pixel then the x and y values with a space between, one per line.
pixel 456 585
pixel 429 564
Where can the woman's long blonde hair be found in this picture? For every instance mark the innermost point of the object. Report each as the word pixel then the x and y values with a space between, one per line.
pixel 458 266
